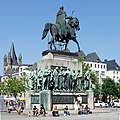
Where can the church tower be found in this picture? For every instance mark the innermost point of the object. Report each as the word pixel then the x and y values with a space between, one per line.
pixel 5 63
pixel 5 60
pixel 20 59
pixel 11 65
pixel 9 59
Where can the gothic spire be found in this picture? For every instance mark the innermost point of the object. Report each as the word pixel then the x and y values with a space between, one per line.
pixel 13 55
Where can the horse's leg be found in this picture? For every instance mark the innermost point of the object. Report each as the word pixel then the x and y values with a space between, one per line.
pixel 52 31
pixel 53 39
pixel 51 45
pixel 75 40
pixel 66 44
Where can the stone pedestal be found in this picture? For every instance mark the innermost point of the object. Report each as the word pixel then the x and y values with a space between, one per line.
pixel 60 59
pixel 90 98
pixel 28 102
pixel 45 99
pixel 62 99
pixel 52 59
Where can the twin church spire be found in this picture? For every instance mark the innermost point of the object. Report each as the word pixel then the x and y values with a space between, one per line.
pixel 12 59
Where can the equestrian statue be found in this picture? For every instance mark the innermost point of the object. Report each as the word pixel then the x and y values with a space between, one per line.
pixel 62 31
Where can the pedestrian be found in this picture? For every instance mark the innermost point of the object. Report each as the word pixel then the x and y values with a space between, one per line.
pixel 112 104
pixel 75 103
pixel 6 103
pixel 79 98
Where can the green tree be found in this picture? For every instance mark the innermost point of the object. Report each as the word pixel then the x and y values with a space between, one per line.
pixel 15 86
pixel 25 81
pixel 109 87
pixel 96 89
pixel 81 59
pixel 93 77
pixel 118 90
pixel 2 88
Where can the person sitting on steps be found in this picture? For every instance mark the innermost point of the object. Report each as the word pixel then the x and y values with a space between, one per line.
pixel 42 111
pixel 55 111
pixel 81 110
pixel 87 110
pixel 35 111
pixel 66 111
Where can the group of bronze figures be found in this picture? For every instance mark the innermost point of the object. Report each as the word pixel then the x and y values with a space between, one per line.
pixel 62 31
pixel 59 79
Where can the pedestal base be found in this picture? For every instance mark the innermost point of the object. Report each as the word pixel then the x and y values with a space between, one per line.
pixel 90 98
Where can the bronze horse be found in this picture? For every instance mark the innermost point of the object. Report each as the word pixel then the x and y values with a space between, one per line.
pixel 71 26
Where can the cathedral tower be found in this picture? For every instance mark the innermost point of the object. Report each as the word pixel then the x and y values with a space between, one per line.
pixel 11 64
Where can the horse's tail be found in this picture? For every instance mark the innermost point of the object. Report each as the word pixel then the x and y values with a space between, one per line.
pixel 46 29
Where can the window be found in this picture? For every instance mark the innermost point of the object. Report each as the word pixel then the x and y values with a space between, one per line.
pixel 95 65
pixel 101 66
pixel 104 66
pixel 20 69
pixel 98 65
pixel 97 72
pixel 103 73
pixel 90 65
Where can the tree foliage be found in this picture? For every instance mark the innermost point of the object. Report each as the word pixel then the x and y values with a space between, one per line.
pixel 93 77
pixel 96 89
pixel 14 86
pixel 109 87
pixel 2 88
pixel 118 90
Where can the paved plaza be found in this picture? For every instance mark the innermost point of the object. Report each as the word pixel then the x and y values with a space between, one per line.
pixel 98 114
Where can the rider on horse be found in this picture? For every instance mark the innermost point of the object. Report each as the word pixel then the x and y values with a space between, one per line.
pixel 61 22
pixel 63 31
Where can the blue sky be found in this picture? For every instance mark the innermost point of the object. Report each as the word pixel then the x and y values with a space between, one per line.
pixel 22 21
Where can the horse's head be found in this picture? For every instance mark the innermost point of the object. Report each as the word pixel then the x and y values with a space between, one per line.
pixel 74 23
pixel 77 23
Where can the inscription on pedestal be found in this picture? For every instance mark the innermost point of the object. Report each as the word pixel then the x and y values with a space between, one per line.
pixel 67 99
pixel 34 99
pixel 63 99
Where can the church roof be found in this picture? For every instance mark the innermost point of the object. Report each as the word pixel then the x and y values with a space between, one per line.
pixel 13 55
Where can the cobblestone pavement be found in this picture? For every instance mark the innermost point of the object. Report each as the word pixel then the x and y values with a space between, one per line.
pixel 111 115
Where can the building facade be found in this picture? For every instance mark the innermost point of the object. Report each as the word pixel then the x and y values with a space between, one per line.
pixel 113 70
pixel 103 69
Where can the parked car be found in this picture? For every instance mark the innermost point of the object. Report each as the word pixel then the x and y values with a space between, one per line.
pixel 100 104
pixel 116 103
